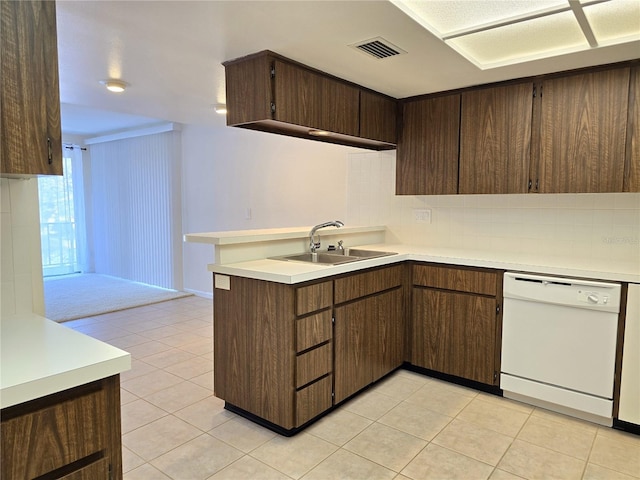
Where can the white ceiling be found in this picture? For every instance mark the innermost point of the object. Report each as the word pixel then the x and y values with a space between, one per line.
pixel 170 52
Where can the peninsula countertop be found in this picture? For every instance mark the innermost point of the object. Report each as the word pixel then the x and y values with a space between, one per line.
pixel 297 272
pixel 40 357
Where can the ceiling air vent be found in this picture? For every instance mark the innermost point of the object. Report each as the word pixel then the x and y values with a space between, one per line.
pixel 378 48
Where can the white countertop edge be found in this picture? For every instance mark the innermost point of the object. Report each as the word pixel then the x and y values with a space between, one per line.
pixel 42 387
pixel 40 357
pixel 267 235
pixel 287 273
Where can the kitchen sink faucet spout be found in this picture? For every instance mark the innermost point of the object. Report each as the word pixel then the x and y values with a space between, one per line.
pixel 315 245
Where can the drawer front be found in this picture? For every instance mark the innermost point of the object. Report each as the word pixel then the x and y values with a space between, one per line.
pixel 97 470
pixel 313 330
pixel 313 364
pixel 484 282
pixel 311 401
pixel 49 438
pixel 362 284
pixel 314 297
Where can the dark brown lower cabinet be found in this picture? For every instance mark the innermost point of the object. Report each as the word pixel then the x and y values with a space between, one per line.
pixel 455 333
pixel 72 435
pixel 274 344
pixel 368 341
pixel 456 322
pixel 285 354
pixel 254 348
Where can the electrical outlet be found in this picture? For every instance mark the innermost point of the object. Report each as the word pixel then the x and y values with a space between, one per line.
pixel 421 215
pixel 247 214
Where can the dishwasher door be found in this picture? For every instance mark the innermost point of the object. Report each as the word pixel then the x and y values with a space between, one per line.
pixel 559 341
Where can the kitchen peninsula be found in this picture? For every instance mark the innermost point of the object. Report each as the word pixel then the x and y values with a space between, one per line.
pixel 60 400
pixel 293 340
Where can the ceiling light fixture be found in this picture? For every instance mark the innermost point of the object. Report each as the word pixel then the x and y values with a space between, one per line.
pixel 220 109
pixel 495 33
pixel 114 85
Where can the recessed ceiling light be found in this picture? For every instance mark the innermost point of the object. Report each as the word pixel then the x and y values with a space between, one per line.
pixel 114 85
pixel 494 33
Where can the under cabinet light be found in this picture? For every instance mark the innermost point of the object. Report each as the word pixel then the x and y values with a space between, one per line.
pixel 320 133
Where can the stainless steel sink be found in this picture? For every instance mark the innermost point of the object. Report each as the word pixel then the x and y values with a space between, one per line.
pixel 336 257
pixel 362 254
pixel 324 258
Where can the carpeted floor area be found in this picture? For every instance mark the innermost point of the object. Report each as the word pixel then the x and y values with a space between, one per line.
pixel 69 297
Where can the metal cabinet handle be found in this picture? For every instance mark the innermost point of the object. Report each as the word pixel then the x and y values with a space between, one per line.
pixel 50 151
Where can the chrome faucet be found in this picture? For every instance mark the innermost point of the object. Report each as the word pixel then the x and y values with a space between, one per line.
pixel 313 245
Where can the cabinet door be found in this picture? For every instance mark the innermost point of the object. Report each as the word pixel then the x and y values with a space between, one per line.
pixel 248 90
pixel 31 141
pixel 582 132
pixel 472 338
pixel 632 160
pixel 306 98
pixel 495 139
pixel 352 337
pixel 427 157
pixel 378 117
pixel 388 329
pixel 454 333
pixel 432 317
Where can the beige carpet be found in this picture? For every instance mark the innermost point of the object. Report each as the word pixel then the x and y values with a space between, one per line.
pixel 68 297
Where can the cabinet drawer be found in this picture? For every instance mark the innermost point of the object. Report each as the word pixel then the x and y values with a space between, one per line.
pixel 313 330
pixel 313 400
pixel 362 284
pixel 96 470
pixel 314 297
pixel 462 280
pixel 313 364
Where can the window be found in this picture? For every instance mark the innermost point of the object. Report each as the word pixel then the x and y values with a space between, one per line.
pixel 59 198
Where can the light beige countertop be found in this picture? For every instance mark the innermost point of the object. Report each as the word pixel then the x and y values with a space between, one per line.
pixel 270 234
pixel 296 272
pixel 246 253
pixel 40 357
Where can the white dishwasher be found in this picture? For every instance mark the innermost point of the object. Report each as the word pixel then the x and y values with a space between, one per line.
pixel 559 344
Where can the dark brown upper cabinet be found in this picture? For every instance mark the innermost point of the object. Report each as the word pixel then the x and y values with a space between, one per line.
pixel 495 139
pixel 31 140
pixel 306 98
pixel 268 92
pixel 378 117
pixel 427 156
pixel 632 160
pixel 582 136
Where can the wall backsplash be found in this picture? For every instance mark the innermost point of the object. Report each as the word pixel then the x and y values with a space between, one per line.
pixel 21 267
pixel 603 226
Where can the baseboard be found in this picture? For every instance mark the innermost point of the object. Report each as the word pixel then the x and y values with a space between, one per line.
pixel 199 293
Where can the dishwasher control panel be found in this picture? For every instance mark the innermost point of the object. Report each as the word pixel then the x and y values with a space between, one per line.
pixel 593 297
pixel 569 292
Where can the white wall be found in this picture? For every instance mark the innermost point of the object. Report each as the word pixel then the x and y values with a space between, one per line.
pixel 21 288
pixel 284 181
pixel 292 182
pixel 602 226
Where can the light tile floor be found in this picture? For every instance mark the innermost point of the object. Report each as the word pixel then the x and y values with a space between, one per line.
pixel 408 426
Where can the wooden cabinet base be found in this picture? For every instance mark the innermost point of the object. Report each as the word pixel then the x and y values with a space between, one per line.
pixel 465 382
pixel 74 434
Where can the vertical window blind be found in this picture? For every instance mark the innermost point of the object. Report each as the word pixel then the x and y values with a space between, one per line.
pixel 136 209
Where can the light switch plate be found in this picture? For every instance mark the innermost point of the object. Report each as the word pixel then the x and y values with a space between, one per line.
pixel 421 215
